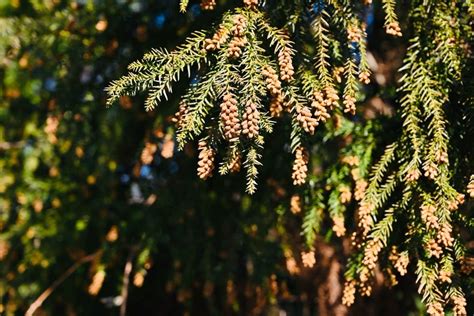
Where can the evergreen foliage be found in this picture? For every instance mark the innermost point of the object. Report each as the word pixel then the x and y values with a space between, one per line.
pixel 409 202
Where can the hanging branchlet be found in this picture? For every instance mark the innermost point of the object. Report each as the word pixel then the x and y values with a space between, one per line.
pixel 313 218
pixel 320 30
pixel 157 71
pixel 391 25
pixel 364 69
pixel 283 46
pixel 251 165
pixel 350 88
pixel 183 5
pixel 425 140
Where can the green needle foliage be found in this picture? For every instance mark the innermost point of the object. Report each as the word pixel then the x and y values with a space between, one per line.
pixel 248 56
pixel 409 203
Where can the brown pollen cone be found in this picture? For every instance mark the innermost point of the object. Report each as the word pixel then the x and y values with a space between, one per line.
pixel 300 166
pixel 230 117
pixel 206 160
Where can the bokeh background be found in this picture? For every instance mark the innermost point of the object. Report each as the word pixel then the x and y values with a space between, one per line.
pixel 104 192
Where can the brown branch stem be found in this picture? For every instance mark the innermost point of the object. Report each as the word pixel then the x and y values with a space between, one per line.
pixel 40 300
pixel 126 281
